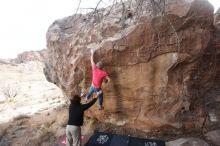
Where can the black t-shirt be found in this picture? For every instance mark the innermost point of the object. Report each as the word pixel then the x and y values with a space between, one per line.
pixel 76 113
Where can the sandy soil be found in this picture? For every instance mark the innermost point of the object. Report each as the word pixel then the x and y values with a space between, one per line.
pixel 33 113
pixel 34 93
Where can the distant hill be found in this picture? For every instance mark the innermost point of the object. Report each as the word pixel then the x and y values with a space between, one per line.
pixel 30 56
pixel 5 62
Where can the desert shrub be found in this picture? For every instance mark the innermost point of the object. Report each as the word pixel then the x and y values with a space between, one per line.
pixel 10 91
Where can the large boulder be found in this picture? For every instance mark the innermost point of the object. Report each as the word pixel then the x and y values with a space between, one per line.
pixel 160 66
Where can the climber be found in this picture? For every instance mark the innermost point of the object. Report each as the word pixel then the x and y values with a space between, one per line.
pixel 98 75
pixel 76 112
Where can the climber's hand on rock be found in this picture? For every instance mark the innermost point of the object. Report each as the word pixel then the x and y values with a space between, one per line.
pixel 92 51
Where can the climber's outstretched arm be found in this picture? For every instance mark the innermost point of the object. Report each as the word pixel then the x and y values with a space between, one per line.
pixel 92 54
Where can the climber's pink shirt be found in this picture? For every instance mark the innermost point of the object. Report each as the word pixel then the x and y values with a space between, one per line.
pixel 97 76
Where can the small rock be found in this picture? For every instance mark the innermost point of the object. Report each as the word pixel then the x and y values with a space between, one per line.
pixel 187 142
pixel 213 117
pixel 214 137
pixel 42 126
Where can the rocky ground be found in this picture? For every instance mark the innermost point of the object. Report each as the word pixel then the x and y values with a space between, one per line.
pixel 42 128
pixel 26 102
pixel 24 90
pixel 32 130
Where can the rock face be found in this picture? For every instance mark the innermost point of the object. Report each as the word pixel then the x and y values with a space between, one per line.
pixel 30 56
pixel 214 137
pixel 187 142
pixel 217 16
pixel 161 67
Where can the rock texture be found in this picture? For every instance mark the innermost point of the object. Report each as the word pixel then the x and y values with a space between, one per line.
pixel 161 67
pixel 217 16
pixel 187 142
pixel 214 137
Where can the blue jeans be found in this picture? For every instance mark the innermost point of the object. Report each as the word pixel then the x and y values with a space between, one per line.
pixel 95 90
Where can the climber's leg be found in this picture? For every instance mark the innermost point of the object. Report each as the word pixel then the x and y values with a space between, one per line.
pixel 100 98
pixel 91 91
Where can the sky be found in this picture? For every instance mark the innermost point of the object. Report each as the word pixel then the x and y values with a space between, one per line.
pixel 24 23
